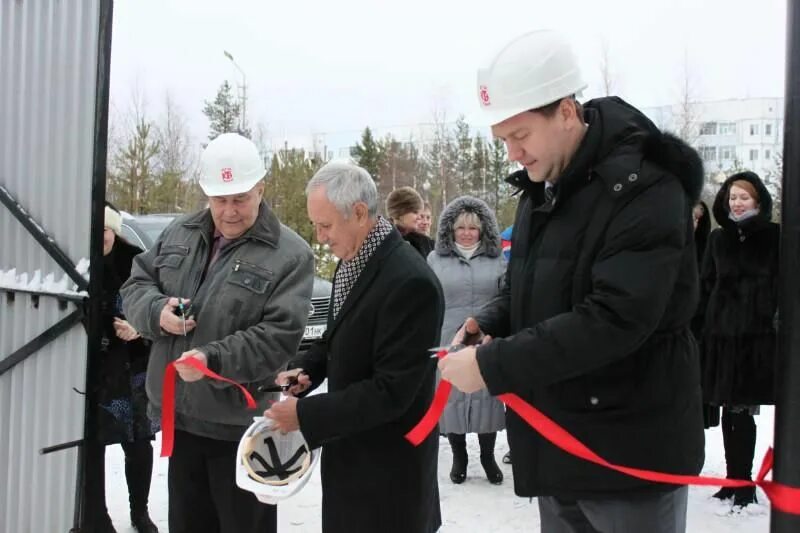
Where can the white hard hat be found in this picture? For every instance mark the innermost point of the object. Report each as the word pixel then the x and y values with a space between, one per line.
pixel 533 70
pixel 230 164
pixel 273 465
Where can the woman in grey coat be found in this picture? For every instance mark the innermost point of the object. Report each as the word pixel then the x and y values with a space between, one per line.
pixel 468 262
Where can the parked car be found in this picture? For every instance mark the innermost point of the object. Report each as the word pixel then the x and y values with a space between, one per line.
pixel 143 231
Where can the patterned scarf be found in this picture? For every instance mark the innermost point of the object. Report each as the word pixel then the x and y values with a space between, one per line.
pixel 349 271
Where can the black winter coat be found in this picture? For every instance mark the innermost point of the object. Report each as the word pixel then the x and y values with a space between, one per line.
pixel 592 327
pixel 710 412
pixel 421 243
pixel 380 383
pixel 120 392
pixel 740 300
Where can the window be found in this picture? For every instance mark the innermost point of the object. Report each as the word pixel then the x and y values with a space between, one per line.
pixel 727 153
pixel 768 129
pixel 727 128
pixel 753 129
pixel 767 154
pixel 753 155
pixel 708 128
pixel 708 153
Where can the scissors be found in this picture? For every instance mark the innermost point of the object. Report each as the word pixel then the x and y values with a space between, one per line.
pixel 280 388
pixel 449 349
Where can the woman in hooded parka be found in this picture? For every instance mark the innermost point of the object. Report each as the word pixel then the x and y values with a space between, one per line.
pixel 469 264
pixel 739 284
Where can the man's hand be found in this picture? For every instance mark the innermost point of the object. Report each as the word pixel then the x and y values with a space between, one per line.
pixel 461 369
pixel 284 415
pixel 303 381
pixel 186 372
pixel 124 330
pixel 470 333
pixel 172 323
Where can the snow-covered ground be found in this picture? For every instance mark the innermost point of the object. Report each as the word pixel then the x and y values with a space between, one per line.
pixel 474 506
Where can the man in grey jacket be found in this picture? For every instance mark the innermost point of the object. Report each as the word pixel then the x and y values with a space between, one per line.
pixel 229 286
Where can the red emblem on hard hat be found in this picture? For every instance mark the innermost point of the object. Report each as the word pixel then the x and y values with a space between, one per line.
pixel 485 95
pixel 227 175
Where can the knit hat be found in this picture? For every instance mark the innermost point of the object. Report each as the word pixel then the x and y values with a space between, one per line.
pixel 113 221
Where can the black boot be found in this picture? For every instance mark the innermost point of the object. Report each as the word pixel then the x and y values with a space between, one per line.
pixel 104 524
pixel 138 472
pixel 96 488
pixel 744 433
pixel 493 472
pixel 744 496
pixel 142 523
pixel 458 443
pixel 726 493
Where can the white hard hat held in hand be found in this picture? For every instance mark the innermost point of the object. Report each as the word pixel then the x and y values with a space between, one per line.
pixel 230 164
pixel 533 70
pixel 273 465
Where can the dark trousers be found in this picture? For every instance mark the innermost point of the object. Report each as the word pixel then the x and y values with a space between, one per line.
pixel 661 513
pixel 203 496
pixel 138 471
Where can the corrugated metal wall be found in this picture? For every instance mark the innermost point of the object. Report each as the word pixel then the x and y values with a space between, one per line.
pixel 48 63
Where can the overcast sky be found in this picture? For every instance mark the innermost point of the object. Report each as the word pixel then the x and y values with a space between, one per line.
pixel 337 66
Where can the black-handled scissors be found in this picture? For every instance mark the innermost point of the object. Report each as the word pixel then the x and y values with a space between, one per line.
pixel 280 388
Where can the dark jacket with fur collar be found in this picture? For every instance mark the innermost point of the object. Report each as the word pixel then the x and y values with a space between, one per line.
pixel 592 327
pixel 739 281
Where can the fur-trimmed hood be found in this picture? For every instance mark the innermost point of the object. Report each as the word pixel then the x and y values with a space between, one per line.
pixel 722 208
pixel 627 130
pixel 490 233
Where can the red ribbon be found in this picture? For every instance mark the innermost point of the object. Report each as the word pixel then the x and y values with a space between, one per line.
pixel 168 399
pixel 783 497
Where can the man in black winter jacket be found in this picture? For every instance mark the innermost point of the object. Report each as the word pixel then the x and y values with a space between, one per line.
pixel 592 327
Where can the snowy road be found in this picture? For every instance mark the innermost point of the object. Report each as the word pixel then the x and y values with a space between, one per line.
pixel 474 506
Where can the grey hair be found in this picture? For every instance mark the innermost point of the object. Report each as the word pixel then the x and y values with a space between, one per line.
pixel 346 184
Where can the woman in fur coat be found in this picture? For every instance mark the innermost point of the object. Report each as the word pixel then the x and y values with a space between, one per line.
pixel 739 283
pixel 468 262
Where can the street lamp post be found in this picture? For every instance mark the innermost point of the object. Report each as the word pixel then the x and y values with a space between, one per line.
pixel 242 92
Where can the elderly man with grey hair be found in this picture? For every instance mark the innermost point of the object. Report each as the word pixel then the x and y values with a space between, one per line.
pixel 386 311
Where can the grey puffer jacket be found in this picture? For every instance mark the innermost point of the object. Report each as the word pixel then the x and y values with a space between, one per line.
pixel 251 309
pixel 468 284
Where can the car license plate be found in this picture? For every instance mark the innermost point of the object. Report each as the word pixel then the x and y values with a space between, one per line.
pixel 315 332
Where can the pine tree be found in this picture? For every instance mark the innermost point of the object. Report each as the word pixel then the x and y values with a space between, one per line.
pixel 499 191
pixel 440 165
pixel 462 160
pixel 480 185
pixel 224 113
pixel 369 154
pixel 289 173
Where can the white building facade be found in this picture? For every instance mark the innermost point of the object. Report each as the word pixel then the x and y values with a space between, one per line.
pixel 730 134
